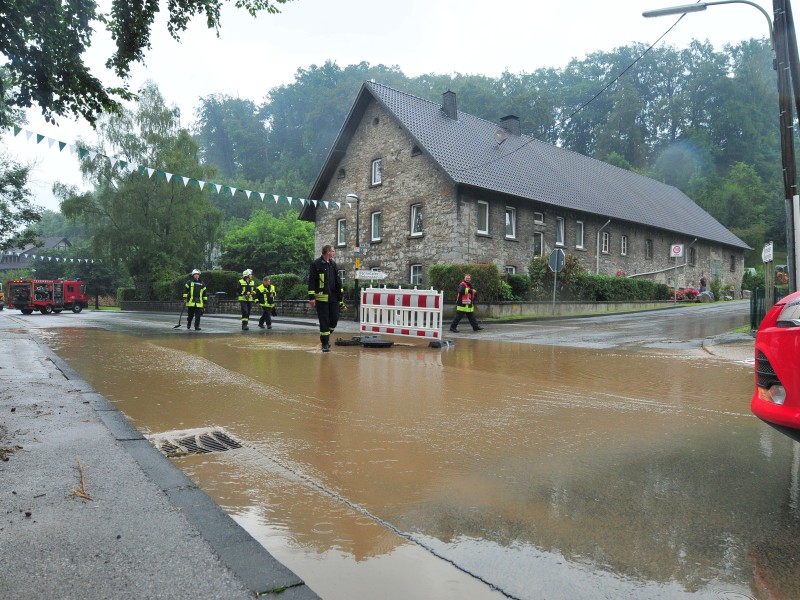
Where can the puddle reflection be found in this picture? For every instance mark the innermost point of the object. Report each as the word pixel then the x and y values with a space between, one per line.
pixel 548 472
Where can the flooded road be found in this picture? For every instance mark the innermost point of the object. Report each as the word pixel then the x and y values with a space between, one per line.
pixel 486 470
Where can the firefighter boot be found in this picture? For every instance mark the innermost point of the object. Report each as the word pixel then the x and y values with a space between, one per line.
pixel 325 339
pixel 244 326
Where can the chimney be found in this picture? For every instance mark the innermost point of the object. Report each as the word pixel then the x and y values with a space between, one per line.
pixel 510 124
pixel 449 105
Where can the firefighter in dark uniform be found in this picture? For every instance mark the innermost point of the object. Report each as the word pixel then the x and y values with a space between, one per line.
pixel 326 294
pixel 247 292
pixel 195 296
pixel 265 296
pixel 465 305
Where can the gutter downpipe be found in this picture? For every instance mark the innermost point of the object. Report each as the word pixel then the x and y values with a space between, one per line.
pixel 597 250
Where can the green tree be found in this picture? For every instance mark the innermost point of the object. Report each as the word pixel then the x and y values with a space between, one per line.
pixel 158 228
pixel 44 41
pixel 269 244
pixel 17 213
pixel 232 137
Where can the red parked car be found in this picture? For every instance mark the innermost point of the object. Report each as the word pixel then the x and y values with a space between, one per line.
pixel 777 395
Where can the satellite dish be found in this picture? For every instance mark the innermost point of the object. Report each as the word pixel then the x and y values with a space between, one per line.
pixel 500 135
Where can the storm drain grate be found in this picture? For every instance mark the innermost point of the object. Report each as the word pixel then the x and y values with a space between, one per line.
pixel 201 441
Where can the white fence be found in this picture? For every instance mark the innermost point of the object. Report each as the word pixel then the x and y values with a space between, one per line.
pixel 413 313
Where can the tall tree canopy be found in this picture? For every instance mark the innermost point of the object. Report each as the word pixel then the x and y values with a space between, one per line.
pixel 158 228
pixel 43 42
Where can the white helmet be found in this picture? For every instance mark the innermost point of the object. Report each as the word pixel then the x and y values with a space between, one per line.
pixel 247 272
pixel 196 272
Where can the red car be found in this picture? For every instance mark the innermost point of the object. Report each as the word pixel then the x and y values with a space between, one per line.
pixel 777 395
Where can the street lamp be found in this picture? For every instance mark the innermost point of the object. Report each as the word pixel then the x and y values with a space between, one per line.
pixel 357 258
pixel 700 6
pixel 785 73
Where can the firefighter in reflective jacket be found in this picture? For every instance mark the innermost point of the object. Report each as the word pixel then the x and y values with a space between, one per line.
pixel 265 296
pixel 326 294
pixel 465 305
pixel 195 296
pixel 247 292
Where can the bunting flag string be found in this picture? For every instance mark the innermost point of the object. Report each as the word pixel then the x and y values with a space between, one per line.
pixel 132 167
pixel 53 258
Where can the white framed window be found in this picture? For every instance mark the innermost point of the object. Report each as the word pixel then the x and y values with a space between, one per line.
pixel 375 228
pixel 623 245
pixel 579 234
pixel 559 231
pixel 511 222
pixel 416 275
pixel 483 217
pixel 510 270
pixel 605 242
pixel 538 244
pixel 341 232
pixel 538 218
pixel 416 219
pixel 377 173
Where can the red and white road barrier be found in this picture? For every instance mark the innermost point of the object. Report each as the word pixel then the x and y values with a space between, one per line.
pixel 413 313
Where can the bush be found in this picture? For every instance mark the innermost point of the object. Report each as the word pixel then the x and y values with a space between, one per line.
pixel 485 278
pixel 753 281
pixel 576 284
pixel 520 286
pixel 124 294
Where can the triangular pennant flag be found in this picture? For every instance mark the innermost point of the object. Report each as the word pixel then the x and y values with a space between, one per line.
pixel 61 146
pixel 233 191
pixel 185 181
pixel 159 175
pixel 113 162
pixel 81 152
pixel 93 154
pixel 50 142
pixel 141 169
pixel 39 137
pixel 169 176
pixel 338 205
pixel 289 199
pixel 315 203
pixel 218 186
pixel 17 130
pixel 123 164
pixel 150 172
pixel 28 134
pixel 263 195
pixel 325 202
pixel 202 184
pixel 26 256
pixel 302 201
pixel 276 198
pixel 247 193
pixel 72 149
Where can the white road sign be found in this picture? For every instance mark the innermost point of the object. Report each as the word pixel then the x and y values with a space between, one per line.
pixel 371 274
pixel 676 251
pixel 766 253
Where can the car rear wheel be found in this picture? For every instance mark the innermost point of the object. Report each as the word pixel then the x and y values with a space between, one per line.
pixel 47 309
pixel 77 307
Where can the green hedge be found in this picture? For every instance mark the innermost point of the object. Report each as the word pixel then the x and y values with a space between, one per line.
pixel 574 283
pixel 485 278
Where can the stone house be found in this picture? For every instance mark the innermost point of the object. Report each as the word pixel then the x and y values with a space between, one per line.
pixel 435 185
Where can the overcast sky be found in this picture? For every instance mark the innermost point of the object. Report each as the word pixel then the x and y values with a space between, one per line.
pixel 253 55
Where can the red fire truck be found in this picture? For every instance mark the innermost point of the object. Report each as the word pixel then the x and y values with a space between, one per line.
pixel 46 295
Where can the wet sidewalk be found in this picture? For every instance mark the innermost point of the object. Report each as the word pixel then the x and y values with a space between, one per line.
pixel 90 509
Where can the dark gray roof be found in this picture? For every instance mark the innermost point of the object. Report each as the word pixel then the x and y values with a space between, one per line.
pixel 467 151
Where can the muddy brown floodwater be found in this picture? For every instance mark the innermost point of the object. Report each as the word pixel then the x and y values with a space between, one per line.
pixel 483 470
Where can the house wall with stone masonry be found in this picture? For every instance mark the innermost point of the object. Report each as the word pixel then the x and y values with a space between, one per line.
pixel 450 221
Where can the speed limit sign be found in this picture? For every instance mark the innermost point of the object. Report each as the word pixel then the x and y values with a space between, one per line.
pixel 676 251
